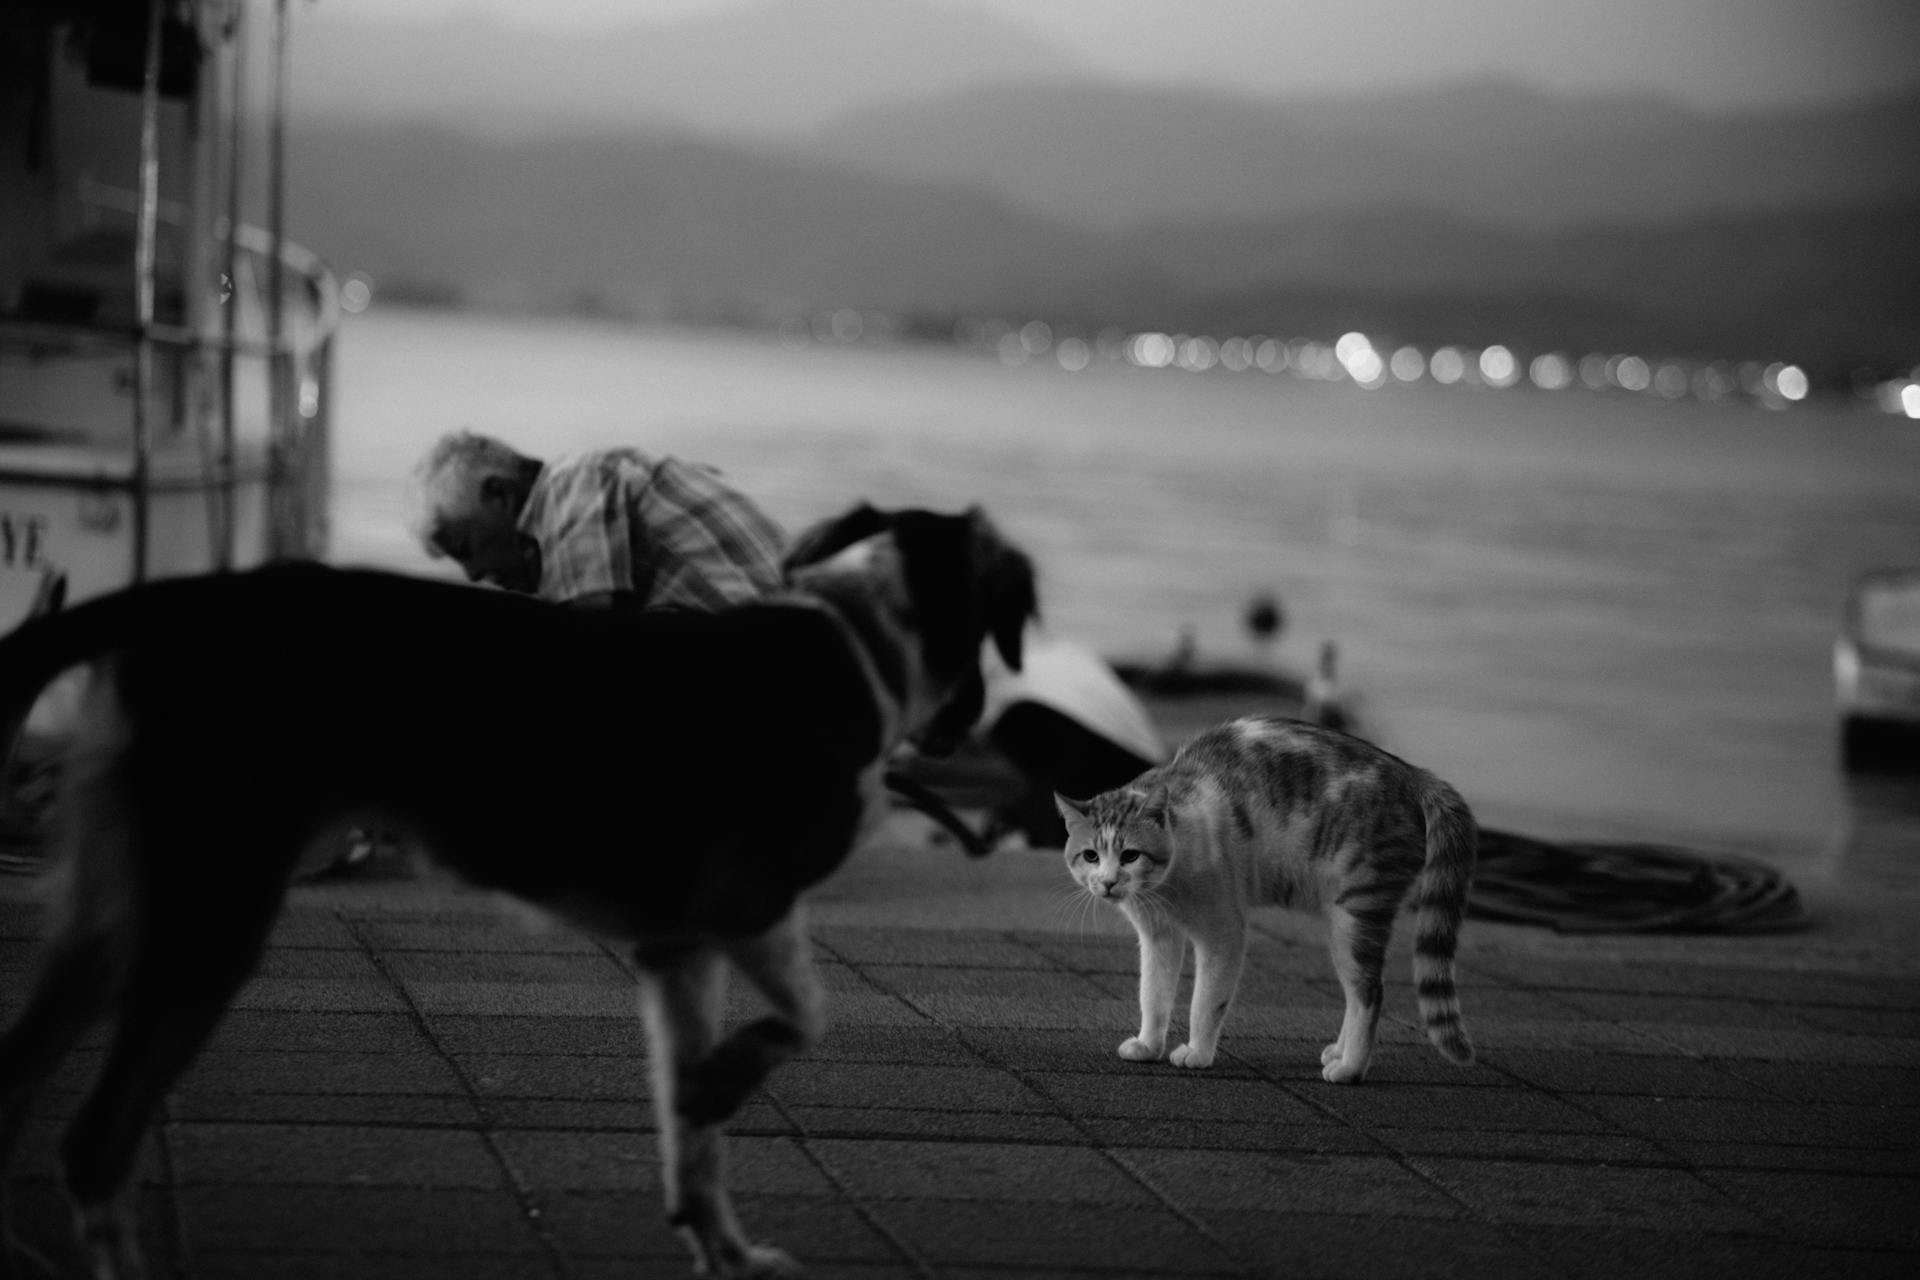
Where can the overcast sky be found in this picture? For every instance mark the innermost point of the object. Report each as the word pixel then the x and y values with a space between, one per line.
pixel 1710 53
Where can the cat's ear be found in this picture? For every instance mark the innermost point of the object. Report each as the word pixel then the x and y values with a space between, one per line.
pixel 1071 811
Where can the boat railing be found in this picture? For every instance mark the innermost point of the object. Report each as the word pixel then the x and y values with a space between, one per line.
pixel 232 402
pixel 256 247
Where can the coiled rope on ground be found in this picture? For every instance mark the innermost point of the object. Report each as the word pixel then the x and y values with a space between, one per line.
pixel 1589 886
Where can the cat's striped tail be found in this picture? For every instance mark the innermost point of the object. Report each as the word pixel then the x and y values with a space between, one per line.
pixel 1440 900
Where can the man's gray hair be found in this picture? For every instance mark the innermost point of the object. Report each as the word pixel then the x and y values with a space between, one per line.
pixel 446 483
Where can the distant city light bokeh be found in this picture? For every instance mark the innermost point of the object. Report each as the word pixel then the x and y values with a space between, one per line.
pixel 1360 359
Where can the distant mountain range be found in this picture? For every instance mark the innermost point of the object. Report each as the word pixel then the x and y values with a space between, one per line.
pixel 885 154
pixel 689 230
pixel 1496 153
pixel 775 69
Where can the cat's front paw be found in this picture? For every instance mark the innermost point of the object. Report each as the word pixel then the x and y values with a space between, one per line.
pixel 1331 1054
pixel 1191 1058
pixel 1134 1049
pixel 1340 1071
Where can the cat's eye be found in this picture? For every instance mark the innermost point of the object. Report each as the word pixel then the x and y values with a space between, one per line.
pixel 1130 855
pixel 1089 855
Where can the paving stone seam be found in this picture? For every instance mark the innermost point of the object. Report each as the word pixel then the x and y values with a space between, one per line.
pixel 1767 1232
pixel 1740 1069
pixel 1385 1138
pixel 1770 1213
pixel 1665 1042
pixel 1613 1128
pixel 1093 1141
pixel 1639 1031
pixel 873 985
pixel 857 967
pixel 1656 1141
pixel 1663 1145
pixel 1509 1232
pixel 532 1212
pixel 1673 1159
pixel 861 1209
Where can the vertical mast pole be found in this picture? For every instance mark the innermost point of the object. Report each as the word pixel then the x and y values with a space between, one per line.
pixel 229 320
pixel 145 269
pixel 281 400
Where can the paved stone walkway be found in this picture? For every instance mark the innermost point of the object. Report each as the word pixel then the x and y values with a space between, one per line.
pixel 418 1085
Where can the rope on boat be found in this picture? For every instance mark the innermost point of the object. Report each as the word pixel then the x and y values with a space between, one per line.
pixel 1591 887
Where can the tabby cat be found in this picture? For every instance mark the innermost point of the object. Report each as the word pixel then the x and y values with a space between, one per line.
pixel 1265 810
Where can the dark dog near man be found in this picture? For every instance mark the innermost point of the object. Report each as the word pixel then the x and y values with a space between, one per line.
pixel 592 763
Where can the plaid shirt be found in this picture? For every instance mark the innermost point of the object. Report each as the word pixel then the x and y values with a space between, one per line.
pixel 671 532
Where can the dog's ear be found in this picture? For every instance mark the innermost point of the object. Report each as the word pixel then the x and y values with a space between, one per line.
pixel 1005 575
pixel 829 537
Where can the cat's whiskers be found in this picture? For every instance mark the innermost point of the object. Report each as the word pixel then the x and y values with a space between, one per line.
pixel 1094 910
pixel 1071 906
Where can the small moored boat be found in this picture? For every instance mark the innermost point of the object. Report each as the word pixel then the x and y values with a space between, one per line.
pixel 1876 669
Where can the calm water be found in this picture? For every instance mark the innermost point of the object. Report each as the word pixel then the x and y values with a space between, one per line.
pixel 1597 615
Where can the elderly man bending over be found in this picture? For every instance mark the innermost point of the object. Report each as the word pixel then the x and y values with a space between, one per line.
pixel 612 526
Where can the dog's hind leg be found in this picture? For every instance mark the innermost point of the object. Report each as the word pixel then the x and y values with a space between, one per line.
pixel 779 963
pixel 92 933
pixel 197 945
pixel 76 980
pixel 681 995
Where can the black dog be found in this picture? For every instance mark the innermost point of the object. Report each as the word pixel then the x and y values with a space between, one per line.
pixel 591 763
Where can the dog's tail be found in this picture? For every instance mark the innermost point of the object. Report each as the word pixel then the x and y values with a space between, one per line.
pixel 50 640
